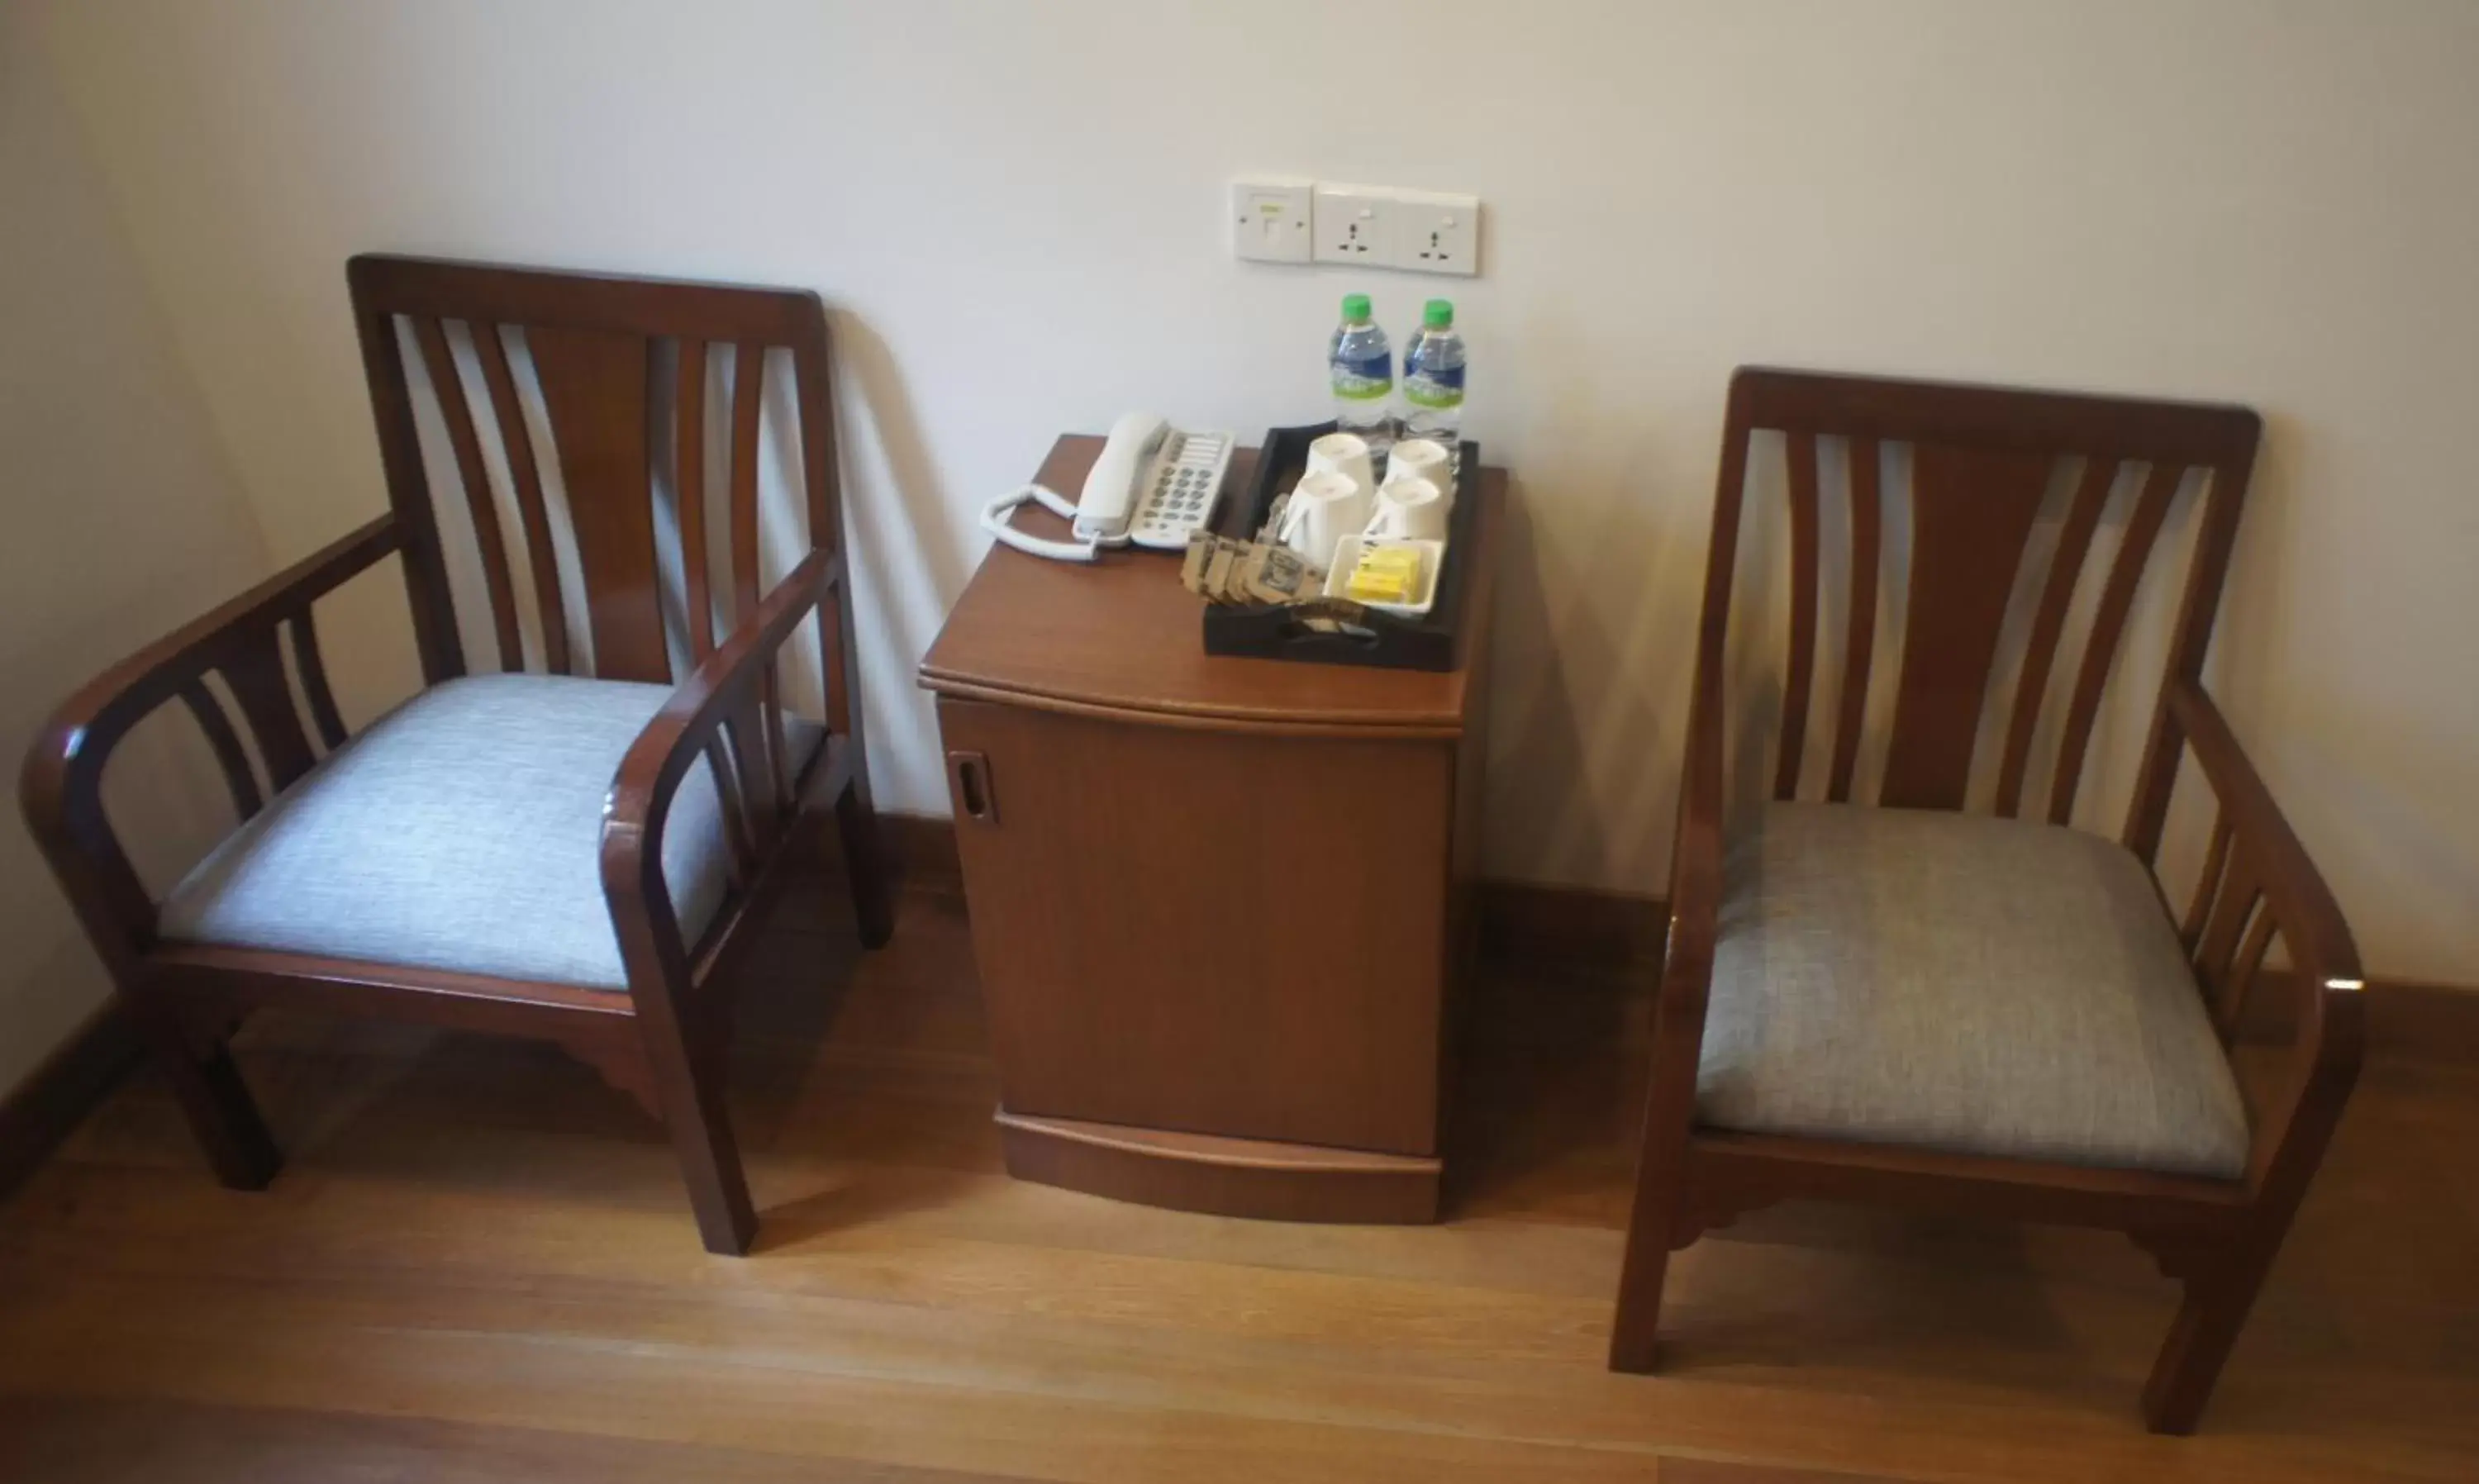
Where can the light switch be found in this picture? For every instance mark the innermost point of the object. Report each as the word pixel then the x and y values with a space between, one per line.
pixel 1270 220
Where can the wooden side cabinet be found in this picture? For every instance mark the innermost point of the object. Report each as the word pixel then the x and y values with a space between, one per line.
pixel 1220 905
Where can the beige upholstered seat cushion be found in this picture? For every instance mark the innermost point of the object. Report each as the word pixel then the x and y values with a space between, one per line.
pixel 462 830
pixel 1964 983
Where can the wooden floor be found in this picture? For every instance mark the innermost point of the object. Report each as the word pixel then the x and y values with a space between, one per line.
pixel 478 1265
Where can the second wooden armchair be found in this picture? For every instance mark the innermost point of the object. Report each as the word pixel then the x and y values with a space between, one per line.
pixel 1888 999
pixel 544 855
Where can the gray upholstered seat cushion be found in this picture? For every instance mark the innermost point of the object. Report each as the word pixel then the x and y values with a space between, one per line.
pixel 462 830
pixel 1964 983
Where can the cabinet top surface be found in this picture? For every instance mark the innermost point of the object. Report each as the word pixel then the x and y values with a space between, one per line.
pixel 1121 634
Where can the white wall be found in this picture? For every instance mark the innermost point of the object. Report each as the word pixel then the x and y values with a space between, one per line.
pixel 121 522
pixel 1016 209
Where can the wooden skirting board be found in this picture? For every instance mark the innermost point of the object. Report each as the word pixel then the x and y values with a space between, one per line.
pixel 1581 926
pixel 57 1094
pixel 1520 922
pixel 1613 931
pixel 923 848
pixel 1589 928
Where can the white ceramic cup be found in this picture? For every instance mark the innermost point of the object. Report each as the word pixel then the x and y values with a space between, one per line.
pixel 1423 458
pixel 1326 507
pixel 1408 509
pixel 1345 455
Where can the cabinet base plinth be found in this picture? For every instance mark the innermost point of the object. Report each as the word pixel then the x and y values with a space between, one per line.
pixel 1231 1177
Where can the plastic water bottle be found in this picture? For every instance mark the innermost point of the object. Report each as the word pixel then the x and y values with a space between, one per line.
pixel 1433 377
pixel 1361 364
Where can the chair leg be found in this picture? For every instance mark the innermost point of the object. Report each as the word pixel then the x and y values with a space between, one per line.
pixel 701 1130
pixel 1660 1187
pixel 1634 1337
pixel 865 863
pixel 222 1114
pixel 2200 1338
pixel 1634 1344
pixel 680 1046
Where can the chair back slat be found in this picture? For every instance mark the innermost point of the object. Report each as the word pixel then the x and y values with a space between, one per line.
pixel 748 402
pixel 448 386
pixel 1972 511
pixel 2109 627
pixel 594 388
pixel 1859 617
pixel 2048 625
pixel 524 473
pixel 688 477
pixel 1800 446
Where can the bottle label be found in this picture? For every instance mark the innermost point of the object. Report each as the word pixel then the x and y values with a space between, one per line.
pixel 1438 387
pixel 1366 380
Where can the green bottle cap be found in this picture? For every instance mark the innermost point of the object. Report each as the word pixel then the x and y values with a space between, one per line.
pixel 1438 313
pixel 1355 308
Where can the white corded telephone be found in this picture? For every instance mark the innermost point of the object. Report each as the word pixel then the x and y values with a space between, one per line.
pixel 1152 485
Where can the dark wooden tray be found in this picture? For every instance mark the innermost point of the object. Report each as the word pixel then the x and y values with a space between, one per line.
pixel 1388 641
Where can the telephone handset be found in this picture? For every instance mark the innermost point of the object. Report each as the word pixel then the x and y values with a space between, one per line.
pixel 1152 484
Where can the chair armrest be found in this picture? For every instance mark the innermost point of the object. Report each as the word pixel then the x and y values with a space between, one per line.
pixel 729 699
pixel 60 785
pixel 2262 853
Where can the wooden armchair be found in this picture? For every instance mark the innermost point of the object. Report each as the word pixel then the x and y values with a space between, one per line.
pixel 540 854
pixel 1985 1013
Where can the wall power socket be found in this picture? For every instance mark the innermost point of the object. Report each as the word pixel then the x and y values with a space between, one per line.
pixel 1282 220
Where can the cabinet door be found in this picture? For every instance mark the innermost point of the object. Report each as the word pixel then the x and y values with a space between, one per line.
pixel 1215 932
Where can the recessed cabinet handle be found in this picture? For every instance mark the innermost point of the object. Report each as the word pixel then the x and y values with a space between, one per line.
pixel 968 779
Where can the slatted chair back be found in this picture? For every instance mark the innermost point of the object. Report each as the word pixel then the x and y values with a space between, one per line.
pixel 1983 465
pixel 625 374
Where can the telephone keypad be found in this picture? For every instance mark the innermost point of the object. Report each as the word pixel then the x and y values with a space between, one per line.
pixel 1180 495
